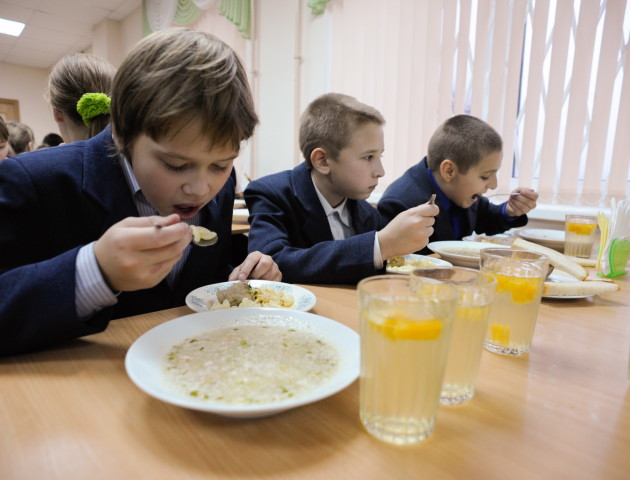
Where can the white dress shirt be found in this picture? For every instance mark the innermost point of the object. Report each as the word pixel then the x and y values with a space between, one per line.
pixel 340 222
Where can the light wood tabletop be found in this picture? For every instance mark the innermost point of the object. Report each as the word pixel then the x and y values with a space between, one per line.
pixel 562 411
pixel 240 228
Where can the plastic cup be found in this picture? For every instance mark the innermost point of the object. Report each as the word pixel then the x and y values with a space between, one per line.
pixel 475 292
pixel 520 278
pixel 404 344
pixel 579 235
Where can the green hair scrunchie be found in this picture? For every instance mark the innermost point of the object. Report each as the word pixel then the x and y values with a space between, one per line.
pixel 92 104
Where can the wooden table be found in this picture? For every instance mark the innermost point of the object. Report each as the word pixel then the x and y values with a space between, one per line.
pixel 240 228
pixel 563 411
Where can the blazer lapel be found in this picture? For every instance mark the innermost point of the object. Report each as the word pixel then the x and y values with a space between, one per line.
pixel 315 228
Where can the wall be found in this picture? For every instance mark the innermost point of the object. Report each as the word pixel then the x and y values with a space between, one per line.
pixel 27 85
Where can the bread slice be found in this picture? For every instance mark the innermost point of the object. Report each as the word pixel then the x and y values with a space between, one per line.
pixel 564 289
pixel 557 259
pixel 585 262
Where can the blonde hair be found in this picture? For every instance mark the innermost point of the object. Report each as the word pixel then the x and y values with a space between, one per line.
pixel 329 122
pixel 465 140
pixel 75 75
pixel 176 77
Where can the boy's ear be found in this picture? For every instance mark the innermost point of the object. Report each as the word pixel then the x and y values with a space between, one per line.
pixel 448 169
pixel 319 160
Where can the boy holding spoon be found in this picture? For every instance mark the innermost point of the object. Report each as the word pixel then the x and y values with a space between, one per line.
pixel 79 244
pixel 463 158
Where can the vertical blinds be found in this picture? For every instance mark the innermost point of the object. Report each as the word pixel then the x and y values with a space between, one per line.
pixel 550 76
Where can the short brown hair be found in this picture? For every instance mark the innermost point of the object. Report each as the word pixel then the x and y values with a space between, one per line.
pixel 72 77
pixel 330 120
pixel 4 132
pixel 20 135
pixel 178 76
pixel 465 140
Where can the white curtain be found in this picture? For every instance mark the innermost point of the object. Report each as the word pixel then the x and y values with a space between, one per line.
pixel 551 76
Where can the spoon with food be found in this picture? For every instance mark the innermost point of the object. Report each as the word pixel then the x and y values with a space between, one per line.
pixel 202 237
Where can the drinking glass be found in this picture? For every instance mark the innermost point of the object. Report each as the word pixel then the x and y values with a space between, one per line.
pixel 404 343
pixel 520 278
pixel 579 235
pixel 475 291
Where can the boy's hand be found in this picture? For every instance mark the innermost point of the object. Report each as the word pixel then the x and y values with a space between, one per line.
pixel 408 232
pixel 135 254
pixel 258 266
pixel 521 204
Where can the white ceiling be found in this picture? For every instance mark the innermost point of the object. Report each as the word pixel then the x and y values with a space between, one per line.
pixel 55 27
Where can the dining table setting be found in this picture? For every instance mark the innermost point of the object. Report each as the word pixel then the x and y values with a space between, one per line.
pixel 95 407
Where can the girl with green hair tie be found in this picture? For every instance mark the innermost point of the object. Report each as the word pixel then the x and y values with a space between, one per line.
pixel 79 90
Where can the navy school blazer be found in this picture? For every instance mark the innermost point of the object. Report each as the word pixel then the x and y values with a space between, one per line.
pixel 415 187
pixel 52 202
pixel 288 222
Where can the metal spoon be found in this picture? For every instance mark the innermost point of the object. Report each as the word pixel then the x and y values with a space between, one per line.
pixel 202 237
pixel 513 194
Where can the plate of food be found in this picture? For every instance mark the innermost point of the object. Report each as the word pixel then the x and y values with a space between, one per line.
pixel 406 263
pixel 251 293
pixel 547 238
pixel 245 362
pixel 460 252
pixel 561 285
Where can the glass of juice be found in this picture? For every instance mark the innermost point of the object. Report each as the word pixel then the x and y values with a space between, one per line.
pixel 520 278
pixel 475 292
pixel 579 235
pixel 405 337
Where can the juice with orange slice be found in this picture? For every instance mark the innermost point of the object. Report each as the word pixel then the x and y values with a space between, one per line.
pixel 520 277
pixel 579 235
pixel 475 292
pixel 464 355
pixel 404 344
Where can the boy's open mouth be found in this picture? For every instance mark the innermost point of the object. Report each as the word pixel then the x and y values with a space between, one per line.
pixel 186 211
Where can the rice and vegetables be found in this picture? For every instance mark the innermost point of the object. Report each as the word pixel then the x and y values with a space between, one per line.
pixel 242 294
pixel 254 361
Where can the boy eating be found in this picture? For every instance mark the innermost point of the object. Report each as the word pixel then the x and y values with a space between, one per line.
pixel 462 161
pixel 100 229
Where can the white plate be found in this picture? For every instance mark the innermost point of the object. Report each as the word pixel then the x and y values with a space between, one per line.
pixel 547 238
pixel 430 261
pixel 304 299
pixel 462 253
pixel 560 276
pixel 145 359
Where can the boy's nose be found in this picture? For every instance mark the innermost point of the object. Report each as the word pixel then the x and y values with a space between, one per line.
pixel 379 170
pixel 196 187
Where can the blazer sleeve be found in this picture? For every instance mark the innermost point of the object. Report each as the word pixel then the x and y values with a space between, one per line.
pixel 37 297
pixel 303 247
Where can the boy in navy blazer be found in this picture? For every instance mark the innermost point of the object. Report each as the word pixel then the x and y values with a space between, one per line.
pixel 100 229
pixel 462 161
pixel 314 220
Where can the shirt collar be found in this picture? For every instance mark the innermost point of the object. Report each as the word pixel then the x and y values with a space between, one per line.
pixel 329 210
pixel 132 183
